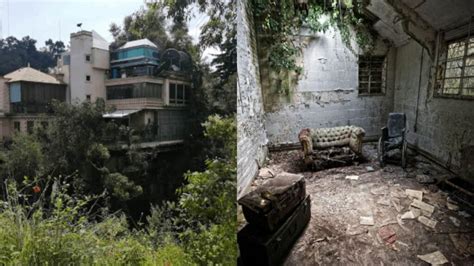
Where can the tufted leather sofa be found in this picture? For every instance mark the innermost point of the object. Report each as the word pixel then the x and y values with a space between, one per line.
pixel 323 138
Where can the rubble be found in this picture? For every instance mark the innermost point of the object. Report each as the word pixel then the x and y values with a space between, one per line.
pixel 384 201
pixel 408 215
pixel 435 258
pixel 455 221
pixel 425 179
pixel 367 220
pixel 396 204
pixel 355 240
pixel 387 234
pixel 414 194
pixel 369 169
pixel 416 212
pixel 352 177
pixel 426 208
pixel 451 205
pixel 427 221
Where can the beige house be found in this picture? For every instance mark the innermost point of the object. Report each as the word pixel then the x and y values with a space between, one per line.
pixel 84 67
pixel 25 95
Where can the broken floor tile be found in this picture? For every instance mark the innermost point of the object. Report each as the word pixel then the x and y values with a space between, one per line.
pixel 352 177
pixel 427 221
pixel 417 194
pixel 355 230
pixel 408 215
pixel 367 220
pixel 384 201
pixel 451 204
pixel 387 234
pixel 435 258
pixel 426 208
pixel 415 211
pixel 396 204
pixel 455 221
pixel 397 193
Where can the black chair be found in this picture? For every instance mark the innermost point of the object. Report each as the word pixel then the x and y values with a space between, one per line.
pixel 393 137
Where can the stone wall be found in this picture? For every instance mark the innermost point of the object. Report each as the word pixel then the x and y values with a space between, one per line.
pixel 444 126
pixel 326 94
pixel 251 133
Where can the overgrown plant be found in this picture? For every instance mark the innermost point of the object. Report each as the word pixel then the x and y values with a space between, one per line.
pixel 280 20
pixel 43 225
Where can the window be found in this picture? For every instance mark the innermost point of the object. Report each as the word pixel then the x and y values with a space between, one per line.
pixel 29 126
pixel 88 57
pixel 372 71
pixel 16 126
pixel 455 77
pixel 88 78
pixel 88 97
pixel 179 93
pixel 66 59
pixel 172 93
pixel 136 90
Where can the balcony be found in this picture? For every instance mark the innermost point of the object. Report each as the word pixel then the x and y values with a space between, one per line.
pixel 136 103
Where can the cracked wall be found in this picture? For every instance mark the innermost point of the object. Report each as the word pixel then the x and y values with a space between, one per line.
pixel 251 135
pixel 326 94
pixel 444 126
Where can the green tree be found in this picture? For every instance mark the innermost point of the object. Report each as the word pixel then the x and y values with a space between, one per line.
pixel 74 144
pixel 23 158
pixel 219 32
pixel 15 53
pixel 204 216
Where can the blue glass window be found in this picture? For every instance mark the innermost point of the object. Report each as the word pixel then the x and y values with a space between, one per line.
pixel 15 92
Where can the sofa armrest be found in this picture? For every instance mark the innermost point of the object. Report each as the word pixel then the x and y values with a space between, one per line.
pixel 356 139
pixel 306 141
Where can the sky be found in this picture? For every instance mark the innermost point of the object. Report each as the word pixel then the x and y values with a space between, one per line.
pixel 57 19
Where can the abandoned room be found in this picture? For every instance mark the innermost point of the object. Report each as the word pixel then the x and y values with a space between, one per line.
pixel 355 132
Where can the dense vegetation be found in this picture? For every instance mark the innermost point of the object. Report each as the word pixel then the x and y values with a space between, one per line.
pixel 16 53
pixel 279 21
pixel 68 197
pixel 44 221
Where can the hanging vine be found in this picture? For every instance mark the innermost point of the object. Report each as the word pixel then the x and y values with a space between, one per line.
pixel 279 21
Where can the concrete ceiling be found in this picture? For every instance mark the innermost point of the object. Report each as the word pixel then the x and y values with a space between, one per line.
pixel 443 14
pixel 389 26
pixel 440 15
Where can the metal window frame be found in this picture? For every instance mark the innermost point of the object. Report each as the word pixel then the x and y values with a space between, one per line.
pixel 439 90
pixel 383 75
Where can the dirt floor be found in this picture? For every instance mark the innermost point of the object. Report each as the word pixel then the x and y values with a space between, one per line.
pixel 335 236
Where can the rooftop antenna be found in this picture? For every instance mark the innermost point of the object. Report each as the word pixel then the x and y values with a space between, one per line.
pixel 79 25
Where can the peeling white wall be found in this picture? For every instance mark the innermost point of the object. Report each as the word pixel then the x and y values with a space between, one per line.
pixel 251 135
pixel 444 126
pixel 327 95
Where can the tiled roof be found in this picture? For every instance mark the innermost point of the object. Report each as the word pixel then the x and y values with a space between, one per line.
pixel 31 75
